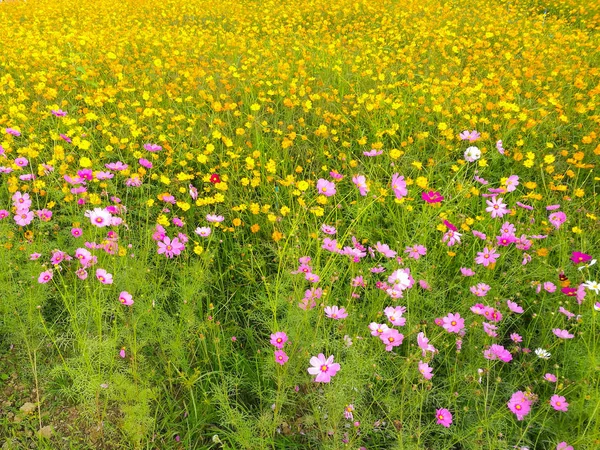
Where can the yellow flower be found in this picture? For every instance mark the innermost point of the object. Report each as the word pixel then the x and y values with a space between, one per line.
pixel 255 228
pixel 85 162
pixel 237 222
pixel 302 185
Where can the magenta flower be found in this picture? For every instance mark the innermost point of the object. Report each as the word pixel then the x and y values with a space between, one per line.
pixel 416 251
pixel 496 207
pixel 563 334
pixel 45 277
pixel 559 403
pixel 391 338
pixel 104 277
pixel 444 417
pixel 578 257
pixel 453 323
pixel 58 112
pixel 487 256
pixel 279 339
pixel 432 197
pixel 13 132
pixel 425 370
pixel 126 298
pixel 122 353
pixel 325 187
pixel 333 312
pixel 519 404
pixel 399 186
pixel 281 357
pixel 323 368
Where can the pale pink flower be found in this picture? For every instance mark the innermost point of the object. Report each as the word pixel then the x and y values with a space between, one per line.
pixel 487 256
pixel 416 251
pixel 559 403
pixel 425 370
pixel 563 334
pixel 361 182
pixel 394 315
pixel 550 377
pixel 399 186
pixel 453 323
pixel 325 187
pixel 378 329
pixel 103 276
pixel 424 345
pixel 496 207
pixel 333 312
pixel 323 368
pixel 514 307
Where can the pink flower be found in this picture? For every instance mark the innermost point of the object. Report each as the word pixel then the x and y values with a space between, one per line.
pixel 399 186
pixel 21 162
pixel 564 446
pixel 549 286
pixel 466 272
pixel 378 329
pixel 125 298
pixel 373 152
pixel 566 312
pixel 391 338
pixel 170 247
pixel 327 229
pixel 480 290
pixel 453 323
pixel 104 277
pixel 506 239
pixel 279 339
pixel 325 187
pixel 13 132
pixel 23 218
pixel 361 182
pixel 99 217
pixel 416 251
pixel 519 404
pixel 514 307
pixel 444 417
pixel 511 183
pixel 385 250
pixel 424 345
pixel 497 352
pixel 559 403
pixel 432 197
pixel 487 256
pixel 333 312
pixel 122 353
pixel 563 334
pixel 348 412
pixel 557 219
pixel 394 315
pixel 550 377
pixel 516 338
pixel 281 357
pixel 425 370
pixel 323 368
pixel 500 148
pixel 496 207
pixel 203 231
pixel 578 257
pixel 451 237
pixel 335 175
pixel 152 147
pixel 471 136
pixel 45 277
pixel 214 218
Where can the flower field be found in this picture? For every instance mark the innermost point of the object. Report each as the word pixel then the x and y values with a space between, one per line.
pixel 300 225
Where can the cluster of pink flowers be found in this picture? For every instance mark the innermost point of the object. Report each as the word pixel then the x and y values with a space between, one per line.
pixel 278 340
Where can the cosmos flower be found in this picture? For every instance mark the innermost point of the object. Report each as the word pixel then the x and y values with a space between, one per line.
pixel 559 403
pixel 472 154
pixel 152 147
pixel 432 197
pixel 453 323
pixel 45 277
pixel 563 334
pixel 391 338
pixel 470 136
pixel 519 404
pixel 126 298
pixel 399 186
pixel 325 187
pixel 103 276
pixel 444 417
pixel 496 207
pixel 281 357
pixel 323 368
pixel 278 339
pixel 99 217
pixel 333 312
pixel 425 370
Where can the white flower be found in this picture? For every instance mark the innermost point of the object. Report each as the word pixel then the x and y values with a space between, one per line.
pixel 472 154
pixel 585 266
pixel 592 286
pixel 99 217
pixel 541 353
pixel 203 231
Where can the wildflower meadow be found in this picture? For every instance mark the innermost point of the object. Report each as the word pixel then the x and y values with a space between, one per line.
pixel 362 224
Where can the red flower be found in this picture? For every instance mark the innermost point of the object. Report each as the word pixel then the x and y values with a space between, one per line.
pixel 215 178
